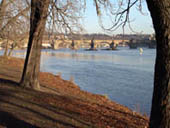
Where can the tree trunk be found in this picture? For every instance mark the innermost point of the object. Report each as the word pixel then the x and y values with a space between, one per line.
pixel 39 9
pixel 2 12
pixel 6 48
pixel 160 112
pixel 12 48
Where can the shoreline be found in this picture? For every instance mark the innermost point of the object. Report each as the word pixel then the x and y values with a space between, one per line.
pixel 93 108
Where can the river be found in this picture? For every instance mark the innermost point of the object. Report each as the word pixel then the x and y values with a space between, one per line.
pixel 124 75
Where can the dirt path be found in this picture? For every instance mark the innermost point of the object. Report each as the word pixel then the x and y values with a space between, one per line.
pixel 60 104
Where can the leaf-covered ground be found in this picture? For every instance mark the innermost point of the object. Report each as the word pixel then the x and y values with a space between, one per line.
pixel 58 104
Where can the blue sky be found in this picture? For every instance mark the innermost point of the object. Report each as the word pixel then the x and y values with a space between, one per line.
pixel 141 23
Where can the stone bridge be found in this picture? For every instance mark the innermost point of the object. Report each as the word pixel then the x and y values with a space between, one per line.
pixel 57 44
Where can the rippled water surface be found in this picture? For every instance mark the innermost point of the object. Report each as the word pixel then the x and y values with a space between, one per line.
pixel 123 75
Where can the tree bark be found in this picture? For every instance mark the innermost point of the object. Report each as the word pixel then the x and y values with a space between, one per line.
pixel 39 9
pixel 6 48
pixel 12 48
pixel 2 12
pixel 160 111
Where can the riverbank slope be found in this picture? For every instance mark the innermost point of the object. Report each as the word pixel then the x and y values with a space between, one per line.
pixel 59 104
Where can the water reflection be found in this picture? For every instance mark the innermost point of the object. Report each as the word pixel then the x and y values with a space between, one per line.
pixel 114 58
pixel 77 56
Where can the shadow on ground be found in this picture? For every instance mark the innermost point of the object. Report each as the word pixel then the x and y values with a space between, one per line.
pixel 10 121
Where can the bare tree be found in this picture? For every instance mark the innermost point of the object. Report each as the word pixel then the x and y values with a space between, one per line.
pixel 13 22
pixel 160 13
pixel 160 112
pixel 39 10
pixel 64 16
pixel 3 5
pixel 60 15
